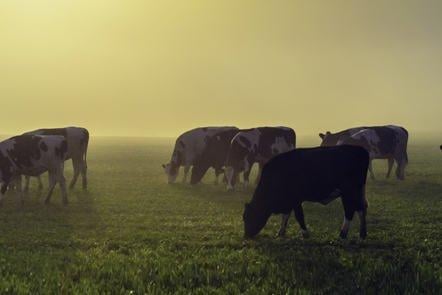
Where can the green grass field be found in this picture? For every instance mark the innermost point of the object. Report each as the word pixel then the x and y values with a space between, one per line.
pixel 133 233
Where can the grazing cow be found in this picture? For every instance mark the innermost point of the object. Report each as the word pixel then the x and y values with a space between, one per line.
pixel 188 147
pixel 256 145
pixel 32 155
pixel 78 140
pixel 382 142
pixel 320 175
pixel 213 155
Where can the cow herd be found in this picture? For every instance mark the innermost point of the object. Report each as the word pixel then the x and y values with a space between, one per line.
pixel 289 176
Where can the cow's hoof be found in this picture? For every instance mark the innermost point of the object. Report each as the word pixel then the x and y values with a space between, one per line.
pixel 280 235
pixel 305 234
pixel 343 235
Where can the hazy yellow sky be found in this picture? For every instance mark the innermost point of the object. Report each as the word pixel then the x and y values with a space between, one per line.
pixel 156 68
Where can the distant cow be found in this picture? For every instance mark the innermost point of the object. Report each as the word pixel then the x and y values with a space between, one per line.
pixel 213 155
pixel 188 147
pixel 78 140
pixel 382 142
pixel 320 175
pixel 257 145
pixel 32 155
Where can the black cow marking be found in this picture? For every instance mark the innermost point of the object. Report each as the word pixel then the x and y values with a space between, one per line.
pixel 61 152
pixel 214 155
pixel 245 141
pixel 43 147
pixel 25 150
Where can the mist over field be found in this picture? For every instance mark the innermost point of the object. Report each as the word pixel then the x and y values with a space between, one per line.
pixel 149 68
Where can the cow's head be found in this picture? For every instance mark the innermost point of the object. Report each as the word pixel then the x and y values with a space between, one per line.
pixel 254 220
pixel 328 139
pixel 171 172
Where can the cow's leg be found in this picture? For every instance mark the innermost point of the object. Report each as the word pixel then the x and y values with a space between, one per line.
pixel 370 169
pixel 40 183
pixel 62 181
pixel 84 174
pixel 186 172
pixel 3 189
pixel 246 175
pixel 349 211
pixel 19 188
pixel 76 165
pixel 400 169
pixel 390 166
pixel 258 177
pixel 284 223
pixel 299 214
pixel 363 224
pixel 52 183
pixel 218 172
pixel 27 181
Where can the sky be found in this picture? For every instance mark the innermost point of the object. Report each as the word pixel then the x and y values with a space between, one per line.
pixel 158 68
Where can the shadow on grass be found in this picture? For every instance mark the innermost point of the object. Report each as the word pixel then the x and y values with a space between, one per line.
pixel 40 243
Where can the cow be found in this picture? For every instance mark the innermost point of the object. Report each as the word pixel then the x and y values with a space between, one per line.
pixel 78 141
pixel 213 155
pixel 382 142
pixel 256 145
pixel 319 174
pixel 188 147
pixel 32 155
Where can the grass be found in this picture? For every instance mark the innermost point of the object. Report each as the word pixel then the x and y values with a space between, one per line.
pixel 131 233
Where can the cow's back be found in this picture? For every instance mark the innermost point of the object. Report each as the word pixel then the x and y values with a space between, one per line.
pixel 313 173
pixel 191 144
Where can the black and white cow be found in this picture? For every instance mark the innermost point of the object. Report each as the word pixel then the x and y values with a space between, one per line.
pixel 78 140
pixel 188 147
pixel 213 155
pixel 32 155
pixel 382 142
pixel 320 175
pixel 256 145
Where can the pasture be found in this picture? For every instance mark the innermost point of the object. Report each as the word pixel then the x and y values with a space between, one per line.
pixel 131 233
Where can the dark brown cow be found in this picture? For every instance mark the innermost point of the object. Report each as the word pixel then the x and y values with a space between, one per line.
pixel 320 175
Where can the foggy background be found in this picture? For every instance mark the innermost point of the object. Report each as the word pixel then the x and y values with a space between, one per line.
pixel 157 68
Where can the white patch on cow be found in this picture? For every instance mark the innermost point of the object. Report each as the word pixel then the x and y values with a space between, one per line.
pixel 373 140
pixel 281 146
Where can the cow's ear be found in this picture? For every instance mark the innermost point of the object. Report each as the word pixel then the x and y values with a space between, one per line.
pixel 321 135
